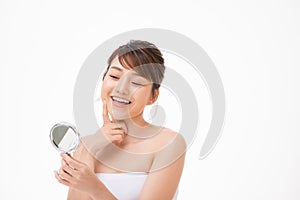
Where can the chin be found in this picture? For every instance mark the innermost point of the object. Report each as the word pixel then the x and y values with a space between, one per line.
pixel 118 118
pixel 120 115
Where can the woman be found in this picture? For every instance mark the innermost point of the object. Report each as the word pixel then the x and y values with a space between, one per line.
pixel 127 158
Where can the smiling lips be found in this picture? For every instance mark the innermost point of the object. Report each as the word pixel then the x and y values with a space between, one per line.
pixel 118 101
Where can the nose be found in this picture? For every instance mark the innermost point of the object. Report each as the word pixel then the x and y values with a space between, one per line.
pixel 123 85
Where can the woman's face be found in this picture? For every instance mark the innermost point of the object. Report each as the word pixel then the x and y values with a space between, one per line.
pixel 125 92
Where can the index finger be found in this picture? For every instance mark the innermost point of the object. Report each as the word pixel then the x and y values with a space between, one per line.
pixel 105 113
pixel 72 162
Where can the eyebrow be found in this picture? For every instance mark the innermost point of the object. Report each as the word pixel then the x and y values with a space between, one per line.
pixel 121 70
pixel 117 68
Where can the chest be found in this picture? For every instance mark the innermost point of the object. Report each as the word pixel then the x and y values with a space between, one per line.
pixel 134 157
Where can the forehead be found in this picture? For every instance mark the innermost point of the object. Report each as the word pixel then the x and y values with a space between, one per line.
pixel 116 65
pixel 137 71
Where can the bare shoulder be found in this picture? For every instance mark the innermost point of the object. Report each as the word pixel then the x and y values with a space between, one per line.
pixel 171 147
pixel 170 138
pixel 80 151
pixel 82 154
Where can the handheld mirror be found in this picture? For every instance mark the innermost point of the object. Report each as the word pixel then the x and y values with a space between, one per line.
pixel 64 137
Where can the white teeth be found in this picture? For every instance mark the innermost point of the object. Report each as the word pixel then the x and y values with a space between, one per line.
pixel 120 100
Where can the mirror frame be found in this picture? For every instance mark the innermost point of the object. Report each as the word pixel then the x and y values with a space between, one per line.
pixel 69 126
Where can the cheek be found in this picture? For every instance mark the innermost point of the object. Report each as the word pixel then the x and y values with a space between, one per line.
pixel 143 95
pixel 106 88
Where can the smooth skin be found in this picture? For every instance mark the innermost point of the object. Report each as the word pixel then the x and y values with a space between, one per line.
pixel 166 149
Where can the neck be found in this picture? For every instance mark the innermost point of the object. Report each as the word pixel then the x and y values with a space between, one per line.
pixel 139 128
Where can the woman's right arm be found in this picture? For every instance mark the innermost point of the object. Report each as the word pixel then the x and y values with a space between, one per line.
pixel 81 179
pixel 83 157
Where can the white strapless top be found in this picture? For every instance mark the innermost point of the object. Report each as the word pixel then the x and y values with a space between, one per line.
pixel 124 186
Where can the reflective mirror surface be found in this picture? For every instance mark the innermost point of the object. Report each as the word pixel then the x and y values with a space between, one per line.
pixel 64 137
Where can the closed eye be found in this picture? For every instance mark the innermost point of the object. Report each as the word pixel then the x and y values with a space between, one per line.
pixel 138 84
pixel 114 77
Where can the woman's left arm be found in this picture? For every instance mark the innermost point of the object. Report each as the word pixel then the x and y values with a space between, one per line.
pixel 163 180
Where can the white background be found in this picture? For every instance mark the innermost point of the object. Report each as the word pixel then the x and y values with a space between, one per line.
pixel 255 46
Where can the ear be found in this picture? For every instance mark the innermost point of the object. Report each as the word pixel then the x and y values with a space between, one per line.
pixel 154 97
